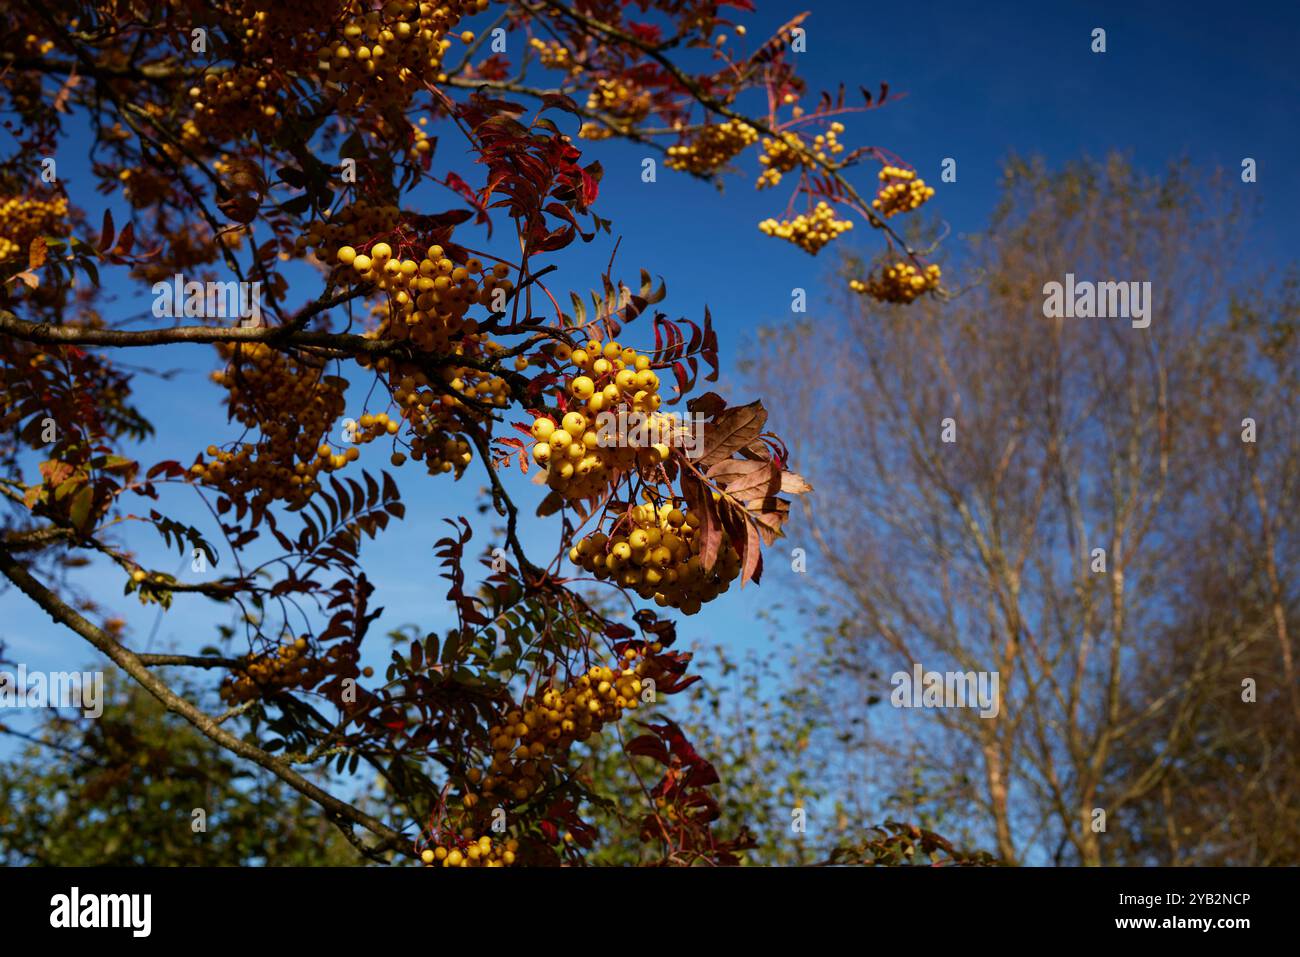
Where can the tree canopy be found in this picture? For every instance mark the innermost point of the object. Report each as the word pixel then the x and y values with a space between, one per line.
pixel 361 210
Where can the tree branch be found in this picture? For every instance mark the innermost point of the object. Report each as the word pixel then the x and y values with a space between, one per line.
pixel 136 667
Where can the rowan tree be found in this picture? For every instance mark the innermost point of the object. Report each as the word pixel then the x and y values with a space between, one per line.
pixel 258 142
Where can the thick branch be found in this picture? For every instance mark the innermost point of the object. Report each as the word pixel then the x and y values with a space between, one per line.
pixel 133 665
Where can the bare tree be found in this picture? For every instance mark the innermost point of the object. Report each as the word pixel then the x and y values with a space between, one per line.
pixel 1044 498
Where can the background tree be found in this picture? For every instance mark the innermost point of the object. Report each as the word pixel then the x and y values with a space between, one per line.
pixel 285 148
pixel 783 739
pixel 1121 671
pixel 121 789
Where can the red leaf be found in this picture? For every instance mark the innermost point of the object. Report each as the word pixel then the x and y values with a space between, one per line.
pixel 650 746
pixel 107 233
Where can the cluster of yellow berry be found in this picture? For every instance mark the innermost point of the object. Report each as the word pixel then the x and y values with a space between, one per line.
pixel 422 143
pixel 384 53
pixel 23 88
pixel 440 449
pixel 594 131
pixel 290 666
pixel 282 37
pixel 466 851
pixel 809 232
pixel 555 55
pixel 527 742
pixel 779 157
pixel 144 187
pixel 427 302
pixel 427 306
pixel 429 297
pixel 377 55
pixel 611 379
pixel 234 102
pixel 370 427
pixel 327 236
pixel 431 409
pixel 22 219
pixel 901 282
pixel 657 553
pixel 34 45
pixel 783 155
pixel 618 98
pixel 901 192
pixel 825 145
pixel 712 147
pixel 294 404
pixel 139 576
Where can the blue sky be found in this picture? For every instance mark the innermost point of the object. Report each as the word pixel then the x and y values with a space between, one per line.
pixel 981 81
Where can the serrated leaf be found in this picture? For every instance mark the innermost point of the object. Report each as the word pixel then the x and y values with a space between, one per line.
pixel 746 479
pixel 792 484
pixel 731 431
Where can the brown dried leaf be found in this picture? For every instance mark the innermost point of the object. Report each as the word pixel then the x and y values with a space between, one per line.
pixel 769 515
pixel 65 92
pixel 125 240
pixel 744 538
pixel 708 405
pixel 551 504
pixel 37 253
pixel 746 479
pixel 699 498
pixel 731 431
pixel 792 484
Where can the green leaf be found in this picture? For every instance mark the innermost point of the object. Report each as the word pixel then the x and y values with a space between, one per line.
pixel 451 648
pixel 80 511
